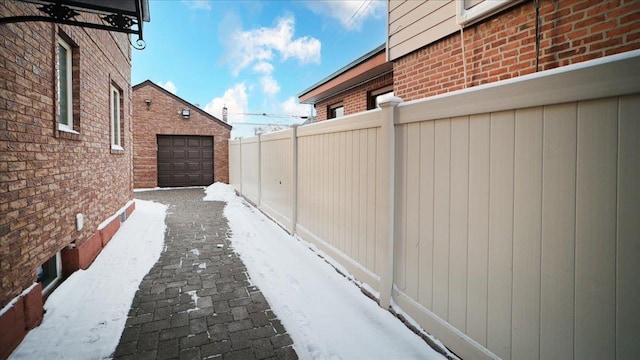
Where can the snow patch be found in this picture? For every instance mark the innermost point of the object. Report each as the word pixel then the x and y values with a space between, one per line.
pixel 166 188
pixel 417 326
pixel 309 296
pixel 117 214
pixel 220 192
pixel 194 297
pixel 86 314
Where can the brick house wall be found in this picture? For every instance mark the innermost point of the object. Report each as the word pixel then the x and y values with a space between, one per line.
pixel 48 176
pixel 162 118
pixel 503 46
pixel 355 99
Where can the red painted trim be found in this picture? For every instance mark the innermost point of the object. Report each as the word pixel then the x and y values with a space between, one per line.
pixel 108 231
pixel 18 320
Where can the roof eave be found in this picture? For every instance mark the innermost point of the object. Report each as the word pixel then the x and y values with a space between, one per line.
pixel 194 107
pixel 363 59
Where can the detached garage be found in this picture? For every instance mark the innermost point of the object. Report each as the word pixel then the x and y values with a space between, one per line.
pixel 185 160
pixel 175 143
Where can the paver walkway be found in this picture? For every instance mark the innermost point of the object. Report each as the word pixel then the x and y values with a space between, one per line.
pixel 196 302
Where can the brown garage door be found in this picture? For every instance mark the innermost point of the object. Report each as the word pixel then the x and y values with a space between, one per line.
pixel 185 160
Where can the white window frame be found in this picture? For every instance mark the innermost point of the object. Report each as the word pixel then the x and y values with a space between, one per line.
pixel 68 127
pixel 466 17
pixel 55 281
pixel 332 109
pixel 115 117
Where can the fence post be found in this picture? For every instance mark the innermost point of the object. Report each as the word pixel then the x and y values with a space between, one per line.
pixel 294 178
pixel 240 161
pixel 387 169
pixel 259 170
pixel 241 178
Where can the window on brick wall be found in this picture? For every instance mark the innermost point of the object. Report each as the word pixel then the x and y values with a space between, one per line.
pixel 67 81
pixel 49 273
pixel 64 77
pixel 373 97
pixel 116 118
pixel 335 111
pixel 472 11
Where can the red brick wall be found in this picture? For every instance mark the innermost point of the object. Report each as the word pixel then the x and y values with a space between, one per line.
pixel 47 177
pixel 503 46
pixel 354 100
pixel 162 118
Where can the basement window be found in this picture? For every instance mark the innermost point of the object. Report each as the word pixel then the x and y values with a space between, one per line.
pixel 50 273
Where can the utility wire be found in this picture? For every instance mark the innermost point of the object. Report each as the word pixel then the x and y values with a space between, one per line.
pixel 275 116
pixel 359 12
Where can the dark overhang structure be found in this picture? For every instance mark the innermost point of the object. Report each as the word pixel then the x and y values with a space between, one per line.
pixel 126 16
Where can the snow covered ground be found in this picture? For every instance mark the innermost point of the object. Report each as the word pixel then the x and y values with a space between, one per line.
pixel 326 315
pixel 86 314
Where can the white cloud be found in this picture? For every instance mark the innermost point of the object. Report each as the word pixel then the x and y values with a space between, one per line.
pixel 235 99
pixel 269 85
pixel 291 106
pixel 259 45
pixel 263 68
pixel 350 14
pixel 169 86
pixel 198 4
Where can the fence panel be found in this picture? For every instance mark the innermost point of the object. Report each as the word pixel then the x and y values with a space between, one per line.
pixel 628 228
pixel 558 202
pixel 520 219
pixel 337 164
pixel 235 165
pixel 276 161
pixel 250 185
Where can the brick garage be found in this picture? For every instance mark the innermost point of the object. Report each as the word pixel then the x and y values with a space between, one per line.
pixel 157 125
pixel 503 46
pixel 47 175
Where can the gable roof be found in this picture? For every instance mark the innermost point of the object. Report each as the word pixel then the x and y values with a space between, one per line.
pixel 367 67
pixel 185 102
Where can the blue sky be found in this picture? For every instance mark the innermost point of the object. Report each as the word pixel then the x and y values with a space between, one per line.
pixel 253 56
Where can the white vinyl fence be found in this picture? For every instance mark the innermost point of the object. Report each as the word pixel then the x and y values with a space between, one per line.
pixel 504 218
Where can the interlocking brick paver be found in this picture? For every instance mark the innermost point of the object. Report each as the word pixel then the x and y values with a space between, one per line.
pixel 279 341
pixel 190 354
pixel 197 301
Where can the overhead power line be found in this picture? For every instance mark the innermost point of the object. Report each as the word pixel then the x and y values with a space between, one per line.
pixel 359 12
pixel 279 116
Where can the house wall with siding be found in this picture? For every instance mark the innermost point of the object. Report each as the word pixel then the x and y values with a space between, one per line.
pixel 47 176
pixel 504 45
pixel 354 100
pixel 162 118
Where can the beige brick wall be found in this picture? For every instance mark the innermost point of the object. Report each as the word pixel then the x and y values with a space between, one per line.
pixel 47 177
pixel 162 118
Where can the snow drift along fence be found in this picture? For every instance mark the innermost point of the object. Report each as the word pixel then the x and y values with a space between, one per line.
pixel 502 218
